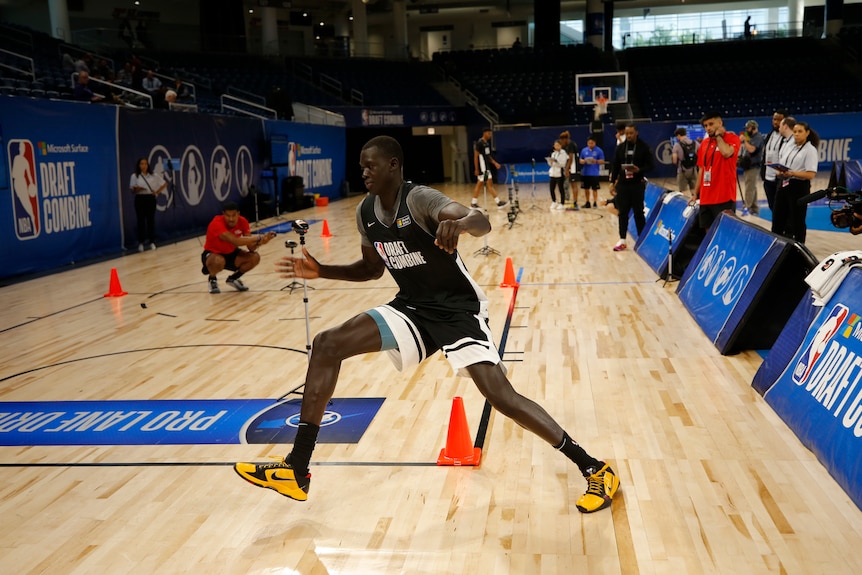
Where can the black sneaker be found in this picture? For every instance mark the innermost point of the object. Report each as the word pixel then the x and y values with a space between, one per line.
pixel 587 205
pixel 213 282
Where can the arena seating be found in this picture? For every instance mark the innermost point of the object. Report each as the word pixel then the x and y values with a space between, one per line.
pixel 520 85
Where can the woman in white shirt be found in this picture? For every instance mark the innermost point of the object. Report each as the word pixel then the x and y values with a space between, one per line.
pixel 146 185
pixel 558 160
pixel 799 160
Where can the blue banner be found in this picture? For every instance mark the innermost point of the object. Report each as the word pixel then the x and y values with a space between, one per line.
pixel 819 391
pixel 315 153
pixel 218 158
pixel 59 198
pixel 852 172
pixel 669 225
pixel 177 422
pixel 718 276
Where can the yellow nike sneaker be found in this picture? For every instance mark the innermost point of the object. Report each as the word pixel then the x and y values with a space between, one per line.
pixel 601 487
pixel 278 476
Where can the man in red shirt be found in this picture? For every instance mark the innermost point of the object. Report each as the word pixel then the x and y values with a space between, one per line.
pixel 716 162
pixel 226 234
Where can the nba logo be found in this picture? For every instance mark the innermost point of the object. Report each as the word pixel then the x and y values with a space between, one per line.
pixel 25 200
pixel 818 344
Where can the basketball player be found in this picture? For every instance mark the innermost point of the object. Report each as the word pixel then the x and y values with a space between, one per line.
pixel 413 231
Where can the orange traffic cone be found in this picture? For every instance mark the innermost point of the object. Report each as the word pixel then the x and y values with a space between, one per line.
pixel 459 449
pixel 325 233
pixel 115 289
pixel 509 275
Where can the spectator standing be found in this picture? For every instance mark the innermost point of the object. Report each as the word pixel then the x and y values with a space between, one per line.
pixel 684 156
pixel 632 159
pixel 749 159
pixel 773 142
pixel 557 161
pixel 591 158
pixel 799 161
pixel 716 160
pixel 146 187
pixel 570 172
pixel 781 225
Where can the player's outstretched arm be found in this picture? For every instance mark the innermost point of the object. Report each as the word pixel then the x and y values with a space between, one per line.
pixel 455 220
pixel 369 267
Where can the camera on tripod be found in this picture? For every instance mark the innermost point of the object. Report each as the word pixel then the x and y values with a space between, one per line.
pixel 843 203
pixel 299 226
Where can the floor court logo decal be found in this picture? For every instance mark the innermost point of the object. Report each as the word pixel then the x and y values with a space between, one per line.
pixel 176 422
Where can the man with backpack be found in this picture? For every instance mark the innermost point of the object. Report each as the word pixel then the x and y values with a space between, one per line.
pixel 685 158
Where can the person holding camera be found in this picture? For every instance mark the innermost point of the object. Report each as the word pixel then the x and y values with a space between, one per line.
pixel 227 233
pixel 797 167
pixel 413 231
pixel 749 159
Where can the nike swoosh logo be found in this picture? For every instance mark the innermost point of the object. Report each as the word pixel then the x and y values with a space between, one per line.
pixel 371 224
pixel 275 476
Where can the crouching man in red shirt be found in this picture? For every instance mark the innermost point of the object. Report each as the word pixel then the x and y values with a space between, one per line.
pixel 227 234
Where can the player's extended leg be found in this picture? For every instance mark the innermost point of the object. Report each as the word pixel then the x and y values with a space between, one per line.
pixel 290 477
pixel 356 336
pixel 602 482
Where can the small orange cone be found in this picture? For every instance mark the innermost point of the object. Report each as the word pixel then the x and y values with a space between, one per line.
pixel 459 449
pixel 325 233
pixel 509 275
pixel 115 289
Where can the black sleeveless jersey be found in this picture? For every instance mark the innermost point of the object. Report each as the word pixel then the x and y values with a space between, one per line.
pixel 427 276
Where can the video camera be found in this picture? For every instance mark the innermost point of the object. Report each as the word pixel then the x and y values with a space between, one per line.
pixel 299 226
pixel 843 203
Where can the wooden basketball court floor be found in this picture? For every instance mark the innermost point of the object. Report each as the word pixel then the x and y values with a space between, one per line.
pixel 712 480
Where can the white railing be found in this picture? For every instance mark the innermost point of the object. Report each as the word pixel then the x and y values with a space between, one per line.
pixel 244 107
pixel 247 96
pixel 130 97
pixel 331 84
pixel 23 64
pixel 305 114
